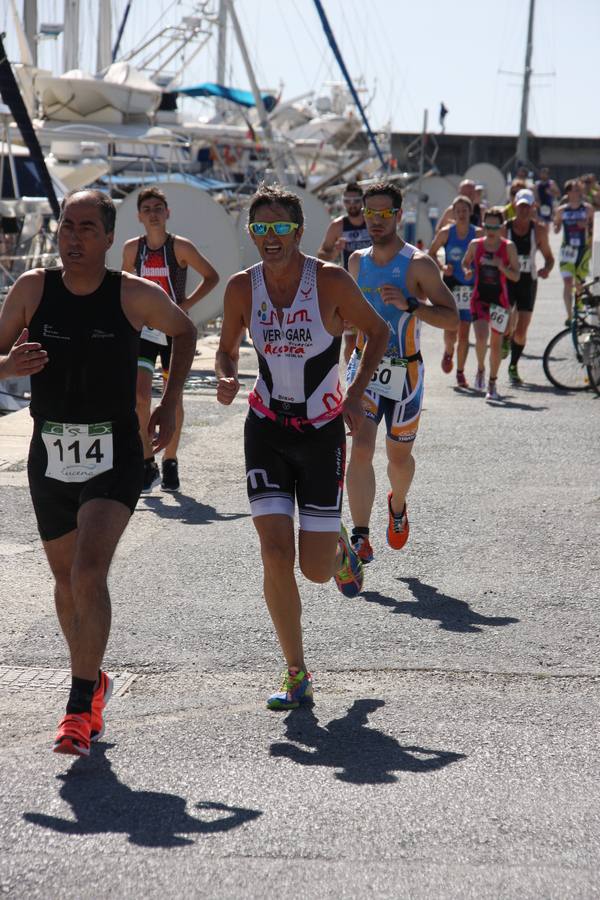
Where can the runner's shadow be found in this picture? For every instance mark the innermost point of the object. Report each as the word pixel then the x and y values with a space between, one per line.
pixel 510 404
pixel 452 614
pixel 101 804
pixel 189 511
pixel 363 755
pixel 538 389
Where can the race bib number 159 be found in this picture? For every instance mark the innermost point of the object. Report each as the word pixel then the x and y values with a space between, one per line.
pixel 77 452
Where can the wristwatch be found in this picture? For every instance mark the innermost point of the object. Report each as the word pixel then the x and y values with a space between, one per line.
pixel 412 304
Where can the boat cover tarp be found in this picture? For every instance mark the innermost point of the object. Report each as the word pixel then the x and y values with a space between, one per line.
pixel 11 95
pixel 208 184
pixel 242 98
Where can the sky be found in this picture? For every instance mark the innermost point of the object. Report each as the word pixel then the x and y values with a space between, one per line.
pixel 409 57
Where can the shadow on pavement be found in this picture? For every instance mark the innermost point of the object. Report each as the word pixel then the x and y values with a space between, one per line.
pixel 363 754
pixel 189 511
pixel 101 804
pixel 452 614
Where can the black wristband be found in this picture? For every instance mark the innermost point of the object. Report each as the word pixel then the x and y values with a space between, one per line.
pixel 412 304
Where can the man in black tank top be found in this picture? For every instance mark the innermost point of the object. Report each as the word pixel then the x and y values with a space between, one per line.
pixel 163 258
pixel 344 235
pixel 75 331
pixel 528 236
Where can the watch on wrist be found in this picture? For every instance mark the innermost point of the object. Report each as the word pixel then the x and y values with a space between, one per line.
pixel 412 304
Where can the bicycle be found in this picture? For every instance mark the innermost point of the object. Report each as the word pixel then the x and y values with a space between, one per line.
pixel 572 358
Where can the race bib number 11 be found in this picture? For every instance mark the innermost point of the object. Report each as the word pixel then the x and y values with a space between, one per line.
pixel 77 452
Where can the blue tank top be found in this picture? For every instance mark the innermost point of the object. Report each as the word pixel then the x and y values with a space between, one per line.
pixel 455 250
pixel 405 329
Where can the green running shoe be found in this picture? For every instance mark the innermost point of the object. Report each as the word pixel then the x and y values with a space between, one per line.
pixel 296 688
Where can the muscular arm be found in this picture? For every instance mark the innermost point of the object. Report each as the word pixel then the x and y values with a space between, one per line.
pixel 347 303
pixel 187 254
pixel 330 250
pixel 511 271
pixel 441 310
pixel 445 220
pixel 541 239
pixel 236 305
pixel 440 240
pixel 467 262
pixel 558 220
pixel 145 303
pixel 18 356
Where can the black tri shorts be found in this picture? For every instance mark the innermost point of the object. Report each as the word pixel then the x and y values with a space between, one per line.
pixel 284 465
pixel 57 503
pixel 149 352
pixel 522 293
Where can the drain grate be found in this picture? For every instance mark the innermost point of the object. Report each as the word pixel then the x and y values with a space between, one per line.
pixel 30 678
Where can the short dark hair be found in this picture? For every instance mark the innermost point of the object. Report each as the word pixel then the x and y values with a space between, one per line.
pixel 151 193
pixel 494 212
pixel 106 207
pixel 272 195
pixel 462 198
pixel 353 187
pixel 385 188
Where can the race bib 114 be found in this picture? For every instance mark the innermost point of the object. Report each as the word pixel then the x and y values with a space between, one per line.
pixel 77 452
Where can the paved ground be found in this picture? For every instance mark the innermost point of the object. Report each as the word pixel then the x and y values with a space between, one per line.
pixel 452 751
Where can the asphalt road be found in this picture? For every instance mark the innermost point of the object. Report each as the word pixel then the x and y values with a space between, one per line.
pixel 452 751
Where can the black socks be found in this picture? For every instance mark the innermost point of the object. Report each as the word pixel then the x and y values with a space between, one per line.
pixel 515 352
pixel 80 698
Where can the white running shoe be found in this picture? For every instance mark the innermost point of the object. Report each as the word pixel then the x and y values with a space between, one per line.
pixel 492 393
pixel 479 383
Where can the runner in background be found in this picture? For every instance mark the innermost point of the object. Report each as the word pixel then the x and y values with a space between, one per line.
pixel 344 235
pixel 547 192
pixel 164 259
pixel 575 219
pixel 454 239
pixel 492 260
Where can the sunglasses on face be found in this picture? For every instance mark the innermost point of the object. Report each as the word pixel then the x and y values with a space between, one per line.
pixel 387 213
pixel 492 227
pixel 260 229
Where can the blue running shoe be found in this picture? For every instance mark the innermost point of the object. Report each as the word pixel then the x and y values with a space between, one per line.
pixel 349 576
pixel 296 688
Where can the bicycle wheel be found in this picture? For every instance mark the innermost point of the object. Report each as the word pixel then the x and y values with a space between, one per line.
pixel 563 363
pixel 592 358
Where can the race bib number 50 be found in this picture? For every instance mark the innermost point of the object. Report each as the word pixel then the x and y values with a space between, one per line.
pixel 389 377
pixel 77 452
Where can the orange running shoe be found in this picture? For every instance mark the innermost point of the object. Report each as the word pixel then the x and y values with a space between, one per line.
pixel 398 528
pixel 74 733
pixel 102 695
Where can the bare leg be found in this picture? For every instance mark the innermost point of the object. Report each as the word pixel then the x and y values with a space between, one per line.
pixel 481 329
pixel 450 341
pixel 522 327
pixel 568 294
pixel 85 611
pixel 173 445
pixel 495 353
pixel 463 345
pixel 360 477
pixel 276 533
pixel 400 469
pixel 142 407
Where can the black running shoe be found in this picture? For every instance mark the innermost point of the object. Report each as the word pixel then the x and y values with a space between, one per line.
pixel 170 475
pixel 151 475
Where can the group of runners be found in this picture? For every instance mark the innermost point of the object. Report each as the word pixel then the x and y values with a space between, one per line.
pixel 94 440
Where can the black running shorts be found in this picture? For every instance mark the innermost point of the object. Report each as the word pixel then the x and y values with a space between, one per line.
pixel 57 503
pixel 150 351
pixel 284 465
pixel 522 293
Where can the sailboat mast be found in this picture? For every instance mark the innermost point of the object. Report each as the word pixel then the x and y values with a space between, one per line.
pixel 522 142
pixel 262 113
pixel 71 35
pixel 221 49
pixel 30 24
pixel 104 45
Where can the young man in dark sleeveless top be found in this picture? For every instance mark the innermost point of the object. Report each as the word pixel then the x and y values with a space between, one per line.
pixel 75 331
pixel 164 259
pixel 528 236
pixel 346 234
pixel 295 307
